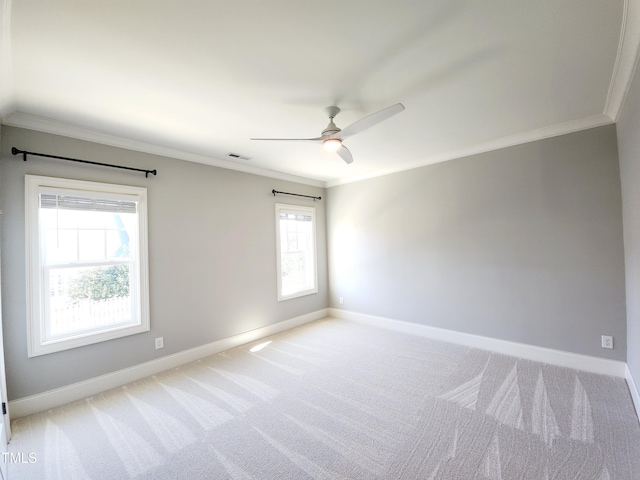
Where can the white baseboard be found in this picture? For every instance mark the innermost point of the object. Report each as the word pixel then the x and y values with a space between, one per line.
pixel 633 389
pixel 530 352
pixel 54 398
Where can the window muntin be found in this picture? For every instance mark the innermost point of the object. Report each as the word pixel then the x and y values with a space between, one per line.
pixel 88 262
pixel 296 251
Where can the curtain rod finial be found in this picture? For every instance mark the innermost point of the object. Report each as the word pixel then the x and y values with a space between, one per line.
pixel 15 151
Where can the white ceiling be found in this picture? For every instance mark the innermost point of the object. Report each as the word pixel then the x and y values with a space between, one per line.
pixel 195 79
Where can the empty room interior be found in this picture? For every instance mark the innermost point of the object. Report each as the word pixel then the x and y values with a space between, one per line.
pixel 365 240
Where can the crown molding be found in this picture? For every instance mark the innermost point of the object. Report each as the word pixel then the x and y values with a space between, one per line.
pixel 7 100
pixel 46 125
pixel 626 60
pixel 509 141
pixel 41 124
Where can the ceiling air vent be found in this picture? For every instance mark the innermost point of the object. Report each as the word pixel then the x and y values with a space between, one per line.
pixel 237 156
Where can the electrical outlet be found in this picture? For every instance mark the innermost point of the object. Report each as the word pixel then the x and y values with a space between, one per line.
pixel 341 299
pixel 159 342
pixel 607 341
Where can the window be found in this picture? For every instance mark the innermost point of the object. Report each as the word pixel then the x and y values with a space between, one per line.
pixel 296 251
pixel 87 262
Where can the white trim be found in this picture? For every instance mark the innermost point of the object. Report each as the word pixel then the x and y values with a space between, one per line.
pixel 54 398
pixel 633 389
pixel 530 352
pixel 497 144
pixel 40 124
pixel 38 342
pixel 46 125
pixel 290 208
pixel 626 60
pixel 614 88
pixel 7 90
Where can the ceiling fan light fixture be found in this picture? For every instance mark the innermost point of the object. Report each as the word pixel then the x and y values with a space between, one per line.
pixel 332 136
pixel 332 144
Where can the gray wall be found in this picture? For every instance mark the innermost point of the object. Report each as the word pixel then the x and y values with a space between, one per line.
pixel 629 150
pixel 211 255
pixel 522 244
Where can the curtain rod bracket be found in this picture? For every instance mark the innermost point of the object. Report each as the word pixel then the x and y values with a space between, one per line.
pixel 295 195
pixel 24 153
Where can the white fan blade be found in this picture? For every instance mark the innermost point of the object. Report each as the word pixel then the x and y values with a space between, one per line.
pixel 369 121
pixel 318 139
pixel 345 154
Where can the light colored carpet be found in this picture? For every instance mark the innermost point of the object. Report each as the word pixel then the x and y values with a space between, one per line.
pixel 337 399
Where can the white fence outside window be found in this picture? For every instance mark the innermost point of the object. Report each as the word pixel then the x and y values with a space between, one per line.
pixel 86 315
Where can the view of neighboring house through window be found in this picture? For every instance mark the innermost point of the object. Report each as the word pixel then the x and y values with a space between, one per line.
pixel 296 251
pixel 88 262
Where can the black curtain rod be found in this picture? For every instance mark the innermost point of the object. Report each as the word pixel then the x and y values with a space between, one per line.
pixel 24 153
pixel 296 195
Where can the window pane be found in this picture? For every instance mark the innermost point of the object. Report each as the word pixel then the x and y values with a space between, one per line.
pixel 296 252
pixel 71 235
pixel 82 219
pixel 294 277
pixel 88 298
pixel 92 245
pixel 64 219
pixel 118 244
pixel 61 246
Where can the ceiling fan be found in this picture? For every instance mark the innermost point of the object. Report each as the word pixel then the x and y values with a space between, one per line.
pixel 332 136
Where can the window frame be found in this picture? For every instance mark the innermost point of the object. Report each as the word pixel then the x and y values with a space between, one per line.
pixel 37 298
pixel 280 207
